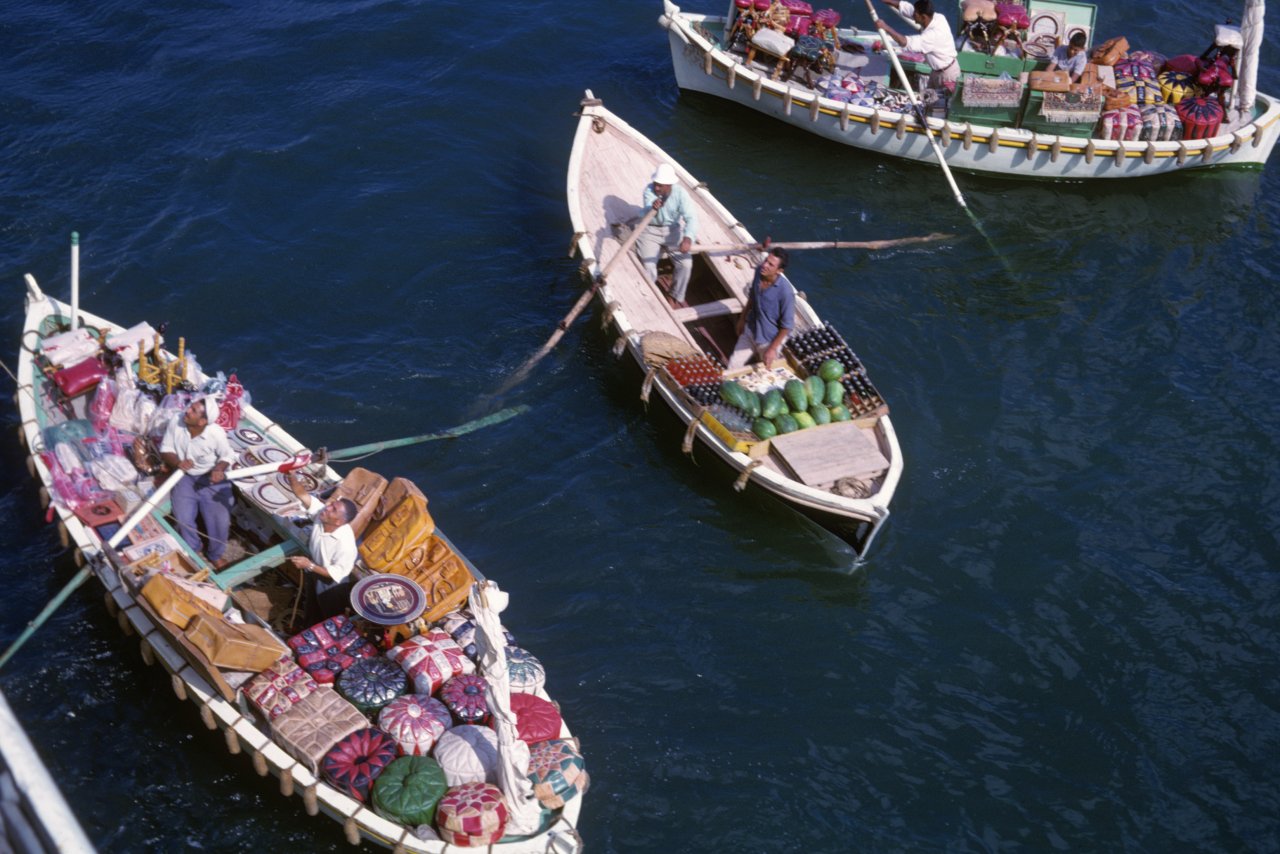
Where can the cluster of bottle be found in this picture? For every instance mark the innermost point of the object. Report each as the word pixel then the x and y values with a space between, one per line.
pixel 731 417
pixel 700 376
pixel 812 347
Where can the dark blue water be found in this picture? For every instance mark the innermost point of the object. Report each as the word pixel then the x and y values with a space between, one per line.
pixel 1066 637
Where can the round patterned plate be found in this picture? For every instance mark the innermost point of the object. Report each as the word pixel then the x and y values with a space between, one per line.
pixel 247 436
pixel 311 483
pixel 270 496
pixel 388 600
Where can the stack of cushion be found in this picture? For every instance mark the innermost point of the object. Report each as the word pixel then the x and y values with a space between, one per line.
pixel 536 719
pixel 1160 122
pixel 409 790
pixel 525 672
pixel 415 722
pixel 1122 124
pixel 329 647
pixel 461 626
pixel 315 724
pixel 371 683
pixel 472 814
pixel 1141 90
pixel 1176 85
pixel 463 696
pixel 1201 117
pixel 431 660
pixel 280 687
pixel 355 762
pixel 1135 67
pixel 469 754
pixel 557 772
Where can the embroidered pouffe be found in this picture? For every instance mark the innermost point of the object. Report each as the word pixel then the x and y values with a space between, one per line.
pixel 808 48
pixel 1135 67
pixel 1160 122
pixel 278 688
pixel 536 719
pixel 316 723
pixel 1201 117
pixel 463 696
pixel 1141 91
pixel 469 754
pixel 557 772
pixel 431 660
pixel 1150 57
pixel 524 671
pixel 371 683
pixel 1176 85
pixel 415 722
pixel 409 789
pixel 472 814
pixel 461 626
pixel 1122 124
pixel 355 762
pixel 329 647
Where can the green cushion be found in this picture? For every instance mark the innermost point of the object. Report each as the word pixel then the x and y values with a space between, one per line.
pixel 409 789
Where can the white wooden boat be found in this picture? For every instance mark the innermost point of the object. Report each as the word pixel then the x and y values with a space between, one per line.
pixel 849 491
pixel 219 693
pixel 1015 147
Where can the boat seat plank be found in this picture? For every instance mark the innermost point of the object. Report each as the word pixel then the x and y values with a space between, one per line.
pixel 252 567
pixel 822 455
pixel 716 308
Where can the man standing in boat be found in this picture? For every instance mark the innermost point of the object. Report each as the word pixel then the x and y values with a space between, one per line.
pixel 675 226
pixel 934 41
pixel 769 316
pixel 194 443
pixel 331 554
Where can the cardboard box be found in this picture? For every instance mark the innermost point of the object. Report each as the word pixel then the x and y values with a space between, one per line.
pixel 1049 81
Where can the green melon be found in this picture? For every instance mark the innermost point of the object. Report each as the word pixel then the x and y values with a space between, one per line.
pixel 735 395
pixel 805 420
pixel 831 369
pixel 764 428
pixel 786 423
pixel 774 404
pixel 835 393
pixel 817 389
pixel 839 413
pixel 820 414
pixel 797 395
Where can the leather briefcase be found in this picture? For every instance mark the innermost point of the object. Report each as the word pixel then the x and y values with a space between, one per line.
pixel 175 604
pixel 233 646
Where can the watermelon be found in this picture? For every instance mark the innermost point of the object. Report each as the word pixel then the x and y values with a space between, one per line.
pixel 785 423
pixel 773 405
pixel 753 404
pixel 797 395
pixel 817 389
pixel 764 428
pixel 820 414
pixel 831 369
pixel 839 413
pixel 735 395
pixel 835 393
pixel 805 420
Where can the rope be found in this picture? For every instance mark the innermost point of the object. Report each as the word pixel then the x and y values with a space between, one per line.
pixel 687 444
pixel 647 386
pixel 741 483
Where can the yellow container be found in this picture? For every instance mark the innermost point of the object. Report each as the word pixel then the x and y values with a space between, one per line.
pixel 730 438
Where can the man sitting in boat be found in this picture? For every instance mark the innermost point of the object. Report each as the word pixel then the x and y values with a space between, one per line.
pixel 332 554
pixel 769 316
pixel 1070 57
pixel 674 227
pixel 934 41
pixel 198 446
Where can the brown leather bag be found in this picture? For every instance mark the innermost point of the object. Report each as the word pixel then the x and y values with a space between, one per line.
pixel 174 603
pixel 1110 51
pixel 364 488
pixel 232 646
pixel 403 526
pixel 442 575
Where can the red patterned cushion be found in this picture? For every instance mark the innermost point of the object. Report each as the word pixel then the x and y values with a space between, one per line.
pixel 472 814
pixel 355 762
pixel 415 722
pixel 329 647
pixel 536 719
pixel 278 688
pixel 464 696
pixel 431 660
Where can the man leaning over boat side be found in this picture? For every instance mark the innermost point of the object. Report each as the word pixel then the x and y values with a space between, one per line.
pixel 934 40
pixel 769 316
pixel 331 554
pixel 675 226
pixel 198 446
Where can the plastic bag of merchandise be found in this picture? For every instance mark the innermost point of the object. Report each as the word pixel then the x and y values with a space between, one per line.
pixel 103 403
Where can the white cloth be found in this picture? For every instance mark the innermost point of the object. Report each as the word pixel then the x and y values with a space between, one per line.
pixel 934 41
pixel 205 451
pixel 335 551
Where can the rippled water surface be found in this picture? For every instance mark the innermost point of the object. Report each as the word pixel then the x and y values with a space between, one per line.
pixel 1066 636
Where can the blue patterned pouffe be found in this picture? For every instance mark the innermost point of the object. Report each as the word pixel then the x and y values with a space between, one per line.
pixel 371 683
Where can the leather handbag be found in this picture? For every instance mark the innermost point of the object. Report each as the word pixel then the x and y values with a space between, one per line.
pixel 176 604
pixel 363 488
pixel 80 377
pixel 233 646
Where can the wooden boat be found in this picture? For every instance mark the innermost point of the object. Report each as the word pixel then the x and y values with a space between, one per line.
pixel 255 584
pixel 842 475
pixel 1014 139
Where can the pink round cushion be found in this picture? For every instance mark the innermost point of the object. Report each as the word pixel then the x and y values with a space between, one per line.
pixel 431 660
pixel 415 722
pixel 469 754
pixel 464 697
pixel 472 814
pixel 536 719
pixel 355 762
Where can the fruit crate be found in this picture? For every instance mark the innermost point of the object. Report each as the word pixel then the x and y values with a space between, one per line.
pixel 812 347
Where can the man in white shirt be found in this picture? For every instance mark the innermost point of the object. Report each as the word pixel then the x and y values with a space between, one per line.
pixel 934 40
pixel 332 554
pixel 194 443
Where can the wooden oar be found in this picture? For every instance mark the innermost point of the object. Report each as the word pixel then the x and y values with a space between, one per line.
pixel 462 429
pixel 519 376
pixel 815 244
pixel 892 47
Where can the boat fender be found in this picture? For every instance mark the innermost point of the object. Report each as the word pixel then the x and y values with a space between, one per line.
pixel 901 129
pixel 1055 150
pixel 1257 137
pixel 1089 151
pixel 31 469
pixel 875 121
pixel 286 782
pixel 43 493
pixel 993 141
pixel 687 444
pixel 309 800
pixel 584 269
pixel 123 621
pixel 400 849
pixel 813 109
pixel 619 346
pixel 1208 153
pixel 945 134
pixel 573 243
pixel 110 602
pixel 233 740
pixel 755 87
pixel 64 536
pixel 707 64
pixel 179 688
pixel 732 77
pixel 1149 155
pixel 609 311
pixel 1032 147
pixel 352 829
pixel 260 764
pixel 1182 153
pixel 206 715
pixel 741 483
pixel 646 387
pixel 1236 141
pixel 1118 157
pixel 786 102
pixel 968 136
pixel 148 655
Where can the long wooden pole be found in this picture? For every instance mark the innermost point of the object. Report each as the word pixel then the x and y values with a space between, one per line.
pixel 519 376
pixel 452 432
pixel 827 244
pixel 915 102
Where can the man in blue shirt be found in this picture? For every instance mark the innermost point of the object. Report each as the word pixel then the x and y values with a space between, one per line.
pixel 769 316
pixel 1070 58
pixel 675 227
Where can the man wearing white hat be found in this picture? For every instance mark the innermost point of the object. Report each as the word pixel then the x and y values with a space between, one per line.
pixel 675 226
pixel 198 446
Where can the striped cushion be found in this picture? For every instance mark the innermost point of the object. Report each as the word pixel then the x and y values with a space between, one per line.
pixel 329 647
pixel 416 722
pixel 431 660
pixel 472 814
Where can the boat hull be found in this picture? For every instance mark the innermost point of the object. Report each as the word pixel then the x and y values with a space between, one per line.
pixel 702 67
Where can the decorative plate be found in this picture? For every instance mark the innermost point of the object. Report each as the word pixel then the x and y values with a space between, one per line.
pixel 247 436
pixel 388 600
pixel 311 483
pixel 271 497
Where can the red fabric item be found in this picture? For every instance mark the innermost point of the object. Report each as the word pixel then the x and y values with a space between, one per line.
pixel 536 719
pixel 80 377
